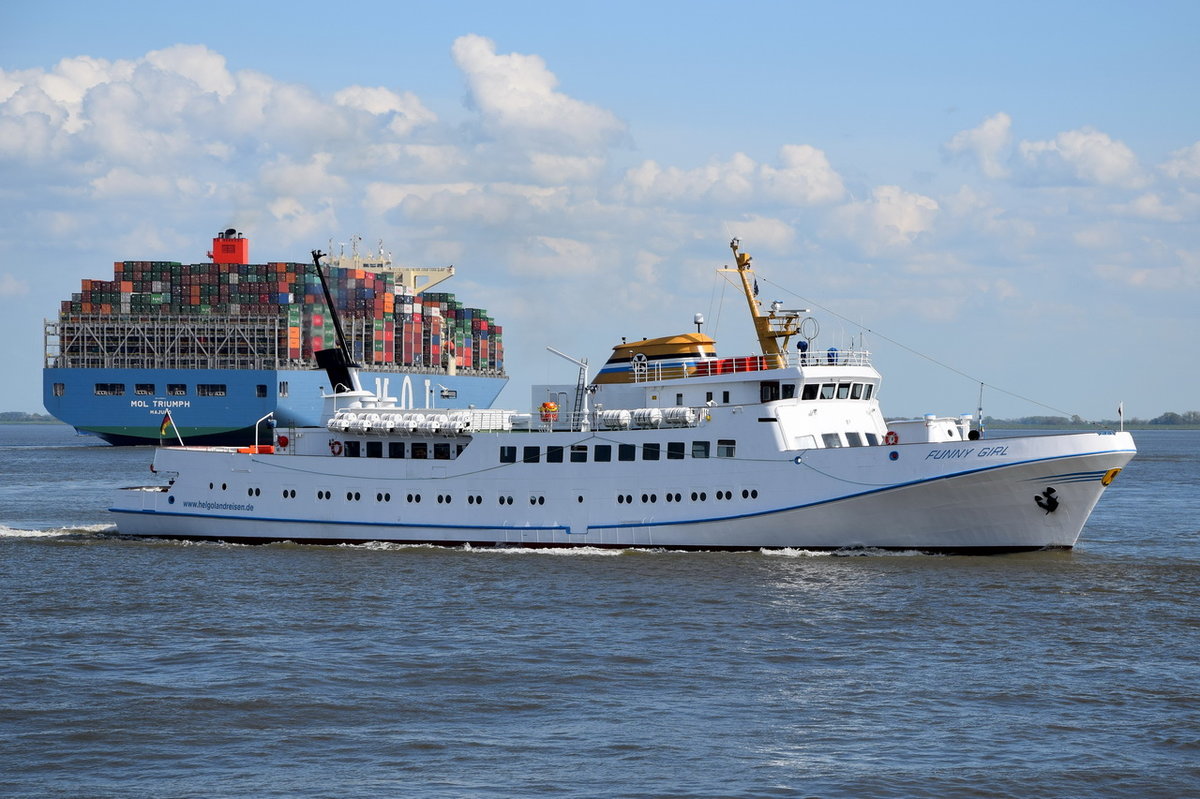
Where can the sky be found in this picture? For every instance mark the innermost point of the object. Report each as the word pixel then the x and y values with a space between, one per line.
pixel 1004 195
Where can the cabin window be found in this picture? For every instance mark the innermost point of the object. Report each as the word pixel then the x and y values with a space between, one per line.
pixel 856 391
pixel 708 396
pixel 726 447
pixel 843 391
pixel 554 454
pixel 650 452
pixel 579 453
pixel 809 392
pixel 210 389
pixel 626 452
pixel 143 389
pixel 603 453
pixel 724 397
pixel 831 440
pixel 531 454
pixel 700 449
pixel 768 391
pixel 419 450
pixel 789 391
pixel 441 452
pixel 854 440
pixel 395 449
pixel 110 389
pixel 177 389
pixel 827 390
pixel 60 389
pixel 679 399
pixel 374 449
pixel 353 449
pixel 260 390
pixel 867 392
pixel 872 440
pixel 675 450
pixel 283 388
pixel 508 454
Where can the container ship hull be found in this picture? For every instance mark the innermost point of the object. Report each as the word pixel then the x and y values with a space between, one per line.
pixel 223 344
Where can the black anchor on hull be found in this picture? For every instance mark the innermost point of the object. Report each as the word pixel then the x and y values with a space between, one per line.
pixel 1047 500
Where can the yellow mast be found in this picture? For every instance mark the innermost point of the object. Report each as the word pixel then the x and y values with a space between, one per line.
pixel 774 329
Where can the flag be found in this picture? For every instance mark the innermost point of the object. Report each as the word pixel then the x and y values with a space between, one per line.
pixel 1121 411
pixel 756 287
pixel 166 423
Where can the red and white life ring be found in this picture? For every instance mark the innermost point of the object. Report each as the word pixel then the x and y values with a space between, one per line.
pixel 335 446
pixel 283 441
pixel 892 438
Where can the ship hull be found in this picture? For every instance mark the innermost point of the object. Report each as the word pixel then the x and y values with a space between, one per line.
pixel 1021 494
pixel 88 400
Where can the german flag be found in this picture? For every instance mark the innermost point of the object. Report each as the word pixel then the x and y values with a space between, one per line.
pixel 166 424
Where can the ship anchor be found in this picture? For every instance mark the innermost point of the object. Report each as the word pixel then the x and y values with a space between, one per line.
pixel 1047 500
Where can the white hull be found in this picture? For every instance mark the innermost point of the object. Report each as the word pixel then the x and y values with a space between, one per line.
pixel 955 496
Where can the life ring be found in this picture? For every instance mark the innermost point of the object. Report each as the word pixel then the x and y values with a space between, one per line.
pixel 549 411
pixel 335 447
pixel 892 438
pixel 283 441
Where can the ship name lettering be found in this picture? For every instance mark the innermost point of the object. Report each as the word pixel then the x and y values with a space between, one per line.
pixel 991 451
pixel 942 454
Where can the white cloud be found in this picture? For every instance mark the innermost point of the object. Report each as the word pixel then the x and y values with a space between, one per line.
pixel 772 235
pixel 1085 155
pixel 198 64
pixel 515 95
pixel 406 110
pixel 891 218
pixel 989 143
pixel 284 177
pixel 1150 206
pixel 11 286
pixel 1184 163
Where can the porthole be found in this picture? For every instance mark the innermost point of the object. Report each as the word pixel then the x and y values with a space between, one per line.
pixel 224 486
pixel 645 497
pixel 249 492
pixel 579 498
pixel 695 496
pixel 703 496
pixel 349 495
pixel 210 486
pixel 654 497
pixel 171 500
pixel 541 500
pixel 379 497
pixel 533 500
pixel 387 497
pixel 670 497
pixel 754 493
pixel 620 499
pixel 745 494
pixel 410 497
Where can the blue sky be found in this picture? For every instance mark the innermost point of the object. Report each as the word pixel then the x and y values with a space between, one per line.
pixel 1011 190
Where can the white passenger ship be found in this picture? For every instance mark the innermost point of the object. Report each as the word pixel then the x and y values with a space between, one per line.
pixel 670 446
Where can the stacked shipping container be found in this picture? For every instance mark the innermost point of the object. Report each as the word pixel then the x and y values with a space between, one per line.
pixel 418 330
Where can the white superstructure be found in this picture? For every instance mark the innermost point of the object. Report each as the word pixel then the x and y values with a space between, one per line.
pixel 670 446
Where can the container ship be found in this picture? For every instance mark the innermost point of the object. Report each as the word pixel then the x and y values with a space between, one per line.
pixel 226 344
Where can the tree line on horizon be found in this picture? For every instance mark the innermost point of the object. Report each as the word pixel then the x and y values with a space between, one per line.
pixel 1168 419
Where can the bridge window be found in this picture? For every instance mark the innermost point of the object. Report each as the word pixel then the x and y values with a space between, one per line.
pixel 675 450
pixel 210 389
pixel 531 454
pixel 603 453
pixel 177 389
pixel 789 391
pixel 831 440
pixel 867 393
pixel 768 391
pixel 579 453
pixel 143 389
pixel 650 452
pixel 827 390
pixel 809 392
pixel 854 439
pixel 872 440
pixel 856 391
pixel 626 452
pixel 726 447
pixel 110 389
pixel 700 449
pixel 508 454
pixel 843 391
pixel 554 454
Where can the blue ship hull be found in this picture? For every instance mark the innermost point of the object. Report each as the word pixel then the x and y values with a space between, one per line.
pixel 222 406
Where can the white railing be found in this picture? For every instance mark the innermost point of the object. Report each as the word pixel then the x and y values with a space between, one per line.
pixel 709 367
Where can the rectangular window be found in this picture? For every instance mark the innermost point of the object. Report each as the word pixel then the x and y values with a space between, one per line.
pixel 867 393
pixel 843 391
pixel 531 454
pixel 827 390
pixel 603 453
pixel 708 396
pixel 508 454
pixel 177 389
pixel 143 389
pixel 679 399
pixel 395 449
pixel 353 449
pixel 110 389
pixel 700 449
pixel 854 439
pixel 419 450
pixel 789 391
pixel 554 454
pixel 283 388
pixel 210 389
pixel 724 397
pixel 726 447
pixel 60 389
pixel 872 439
pixel 441 452
pixel 579 453
pixel 260 390
pixel 856 391
pixel 650 452
pixel 374 449
pixel 768 391
pixel 626 452
pixel 675 450
pixel 810 391
pixel 831 440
